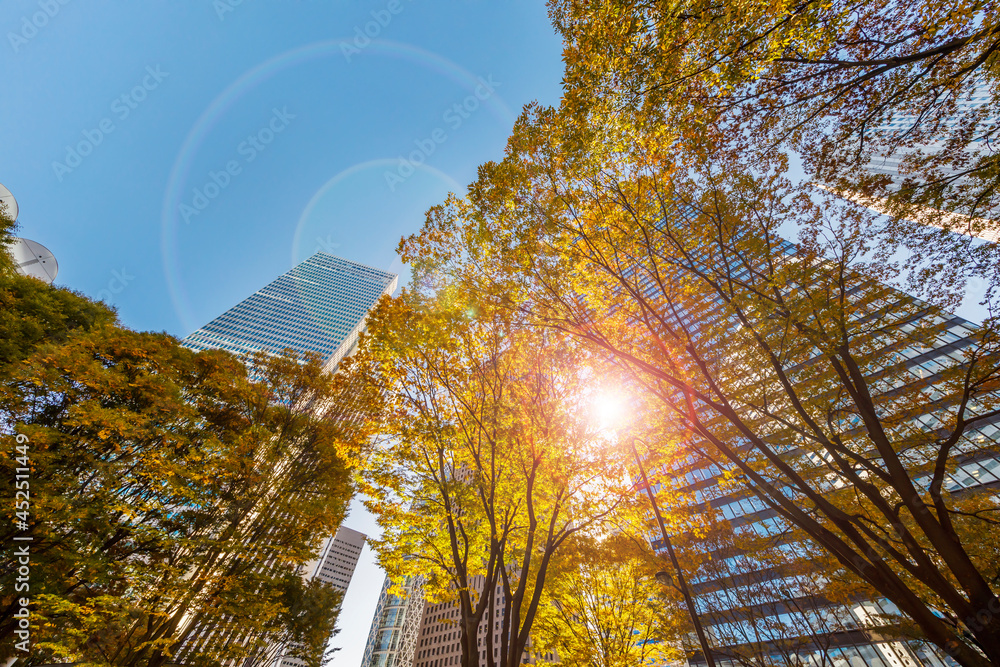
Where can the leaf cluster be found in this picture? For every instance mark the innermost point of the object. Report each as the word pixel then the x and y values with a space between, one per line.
pixel 174 494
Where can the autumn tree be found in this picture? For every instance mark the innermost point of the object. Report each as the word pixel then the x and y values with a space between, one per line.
pixel 487 465
pixel 846 405
pixel 7 227
pixel 606 608
pixel 839 83
pixel 172 492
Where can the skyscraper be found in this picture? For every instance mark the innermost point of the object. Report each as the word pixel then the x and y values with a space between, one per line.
pixel 338 558
pixel 438 642
pixel 973 107
pixel 319 306
pixel 894 165
pixel 392 639
pixel 772 609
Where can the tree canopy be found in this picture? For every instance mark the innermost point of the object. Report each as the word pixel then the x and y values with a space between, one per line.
pixel 607 609
pixel 843 403
pixel 842 84
pixel 173 493
pixel 487 463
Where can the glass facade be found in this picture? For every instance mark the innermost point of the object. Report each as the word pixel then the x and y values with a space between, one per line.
pixel 393 635
pixel 320 306
pixel 760 592
pixel 897 164
pixel 772 610
pixel 974 105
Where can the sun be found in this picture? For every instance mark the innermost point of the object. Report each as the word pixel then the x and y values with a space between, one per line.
pixel 610 409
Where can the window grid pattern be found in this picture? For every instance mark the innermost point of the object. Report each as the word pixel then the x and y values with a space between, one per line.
pixel 319 306
pixel 906 363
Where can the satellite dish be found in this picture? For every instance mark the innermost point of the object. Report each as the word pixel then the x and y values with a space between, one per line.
pixel 34 260
pixel 7 198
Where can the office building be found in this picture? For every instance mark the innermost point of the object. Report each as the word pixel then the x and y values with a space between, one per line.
pixel 320 306
pixel 972 107
pixel 410 632
pixel 893 166
pixel 758 611
pixel 439 637
pixel 338 559
pixel 396 623
pixel 925 215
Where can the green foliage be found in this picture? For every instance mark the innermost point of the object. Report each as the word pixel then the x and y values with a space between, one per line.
pixel 33 313
pixel 311 616
pixel 173 493
pixel 7 227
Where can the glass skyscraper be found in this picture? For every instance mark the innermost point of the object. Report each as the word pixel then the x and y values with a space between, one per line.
pixel 975 104
pixel 772 610
pixel 319 306
pixel 893 164
pixel 392 640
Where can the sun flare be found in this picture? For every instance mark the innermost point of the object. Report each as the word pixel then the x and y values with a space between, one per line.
pixel 610 409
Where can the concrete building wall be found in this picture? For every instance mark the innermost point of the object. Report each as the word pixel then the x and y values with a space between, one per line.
pixel 439 639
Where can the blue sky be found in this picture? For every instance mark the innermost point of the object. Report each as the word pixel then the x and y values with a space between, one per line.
pixel 289 95
pixel 177 156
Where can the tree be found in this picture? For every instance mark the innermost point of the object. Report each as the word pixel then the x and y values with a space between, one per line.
pixel 820 78
pixel 172 493
pixel 32 313
pixel 312 610
pixel 487 465
pixel 606 609
pixel 7 227
pixel 844 403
